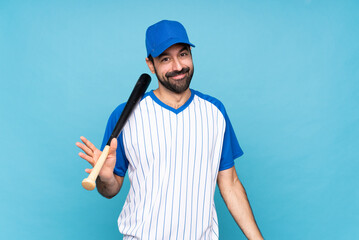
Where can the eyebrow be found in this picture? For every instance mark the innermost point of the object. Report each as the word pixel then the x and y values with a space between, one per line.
pixel 164 53
pixel 184 48
pixel 161 55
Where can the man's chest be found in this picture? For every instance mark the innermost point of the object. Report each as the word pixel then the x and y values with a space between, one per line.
pixel 154 134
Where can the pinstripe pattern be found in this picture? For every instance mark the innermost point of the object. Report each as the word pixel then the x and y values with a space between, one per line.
pixel 174 158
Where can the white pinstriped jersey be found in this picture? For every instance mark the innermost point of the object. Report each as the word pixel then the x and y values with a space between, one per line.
pixel 173 157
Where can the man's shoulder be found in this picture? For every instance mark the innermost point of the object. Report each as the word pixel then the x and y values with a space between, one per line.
pixel 213 100
pixel 118 110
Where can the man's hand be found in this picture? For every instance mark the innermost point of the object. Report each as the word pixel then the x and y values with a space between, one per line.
pixel 91 155
pixel 108 184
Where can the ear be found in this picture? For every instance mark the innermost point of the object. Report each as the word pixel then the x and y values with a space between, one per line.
pixel 150 65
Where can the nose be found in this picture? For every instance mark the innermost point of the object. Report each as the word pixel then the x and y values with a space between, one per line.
pixel 176 64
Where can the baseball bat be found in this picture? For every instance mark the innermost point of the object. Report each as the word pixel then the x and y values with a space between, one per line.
pixel 140 88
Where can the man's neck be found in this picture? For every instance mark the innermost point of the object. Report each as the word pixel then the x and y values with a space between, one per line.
pixel 174 100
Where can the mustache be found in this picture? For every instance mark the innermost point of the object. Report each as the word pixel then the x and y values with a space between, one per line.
pixel 175 73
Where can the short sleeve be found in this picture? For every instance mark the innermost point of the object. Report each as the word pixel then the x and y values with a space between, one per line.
pixel 121 160
pixel 230 149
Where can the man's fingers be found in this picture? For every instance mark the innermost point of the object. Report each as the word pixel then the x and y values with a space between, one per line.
pixel 84 148
pixel 88 170
pixel 87 158
pixel 88 143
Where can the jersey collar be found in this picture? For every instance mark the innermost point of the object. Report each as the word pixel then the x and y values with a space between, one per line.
pixel 176 111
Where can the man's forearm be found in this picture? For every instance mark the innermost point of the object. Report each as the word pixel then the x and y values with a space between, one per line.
pixel 108 188
pixel 235 197
pixel 237 202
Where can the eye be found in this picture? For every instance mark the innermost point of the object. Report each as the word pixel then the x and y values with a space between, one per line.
pixel 165 59
pixel 183 54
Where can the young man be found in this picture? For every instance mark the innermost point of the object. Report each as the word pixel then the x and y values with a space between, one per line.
pixel 175 146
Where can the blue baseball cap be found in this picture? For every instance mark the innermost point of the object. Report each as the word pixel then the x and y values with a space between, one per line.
pixel 164 34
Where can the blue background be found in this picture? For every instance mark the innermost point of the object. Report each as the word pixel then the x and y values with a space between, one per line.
pixel 287 72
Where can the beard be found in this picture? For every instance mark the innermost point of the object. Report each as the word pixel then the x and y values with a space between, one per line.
pixel 176 86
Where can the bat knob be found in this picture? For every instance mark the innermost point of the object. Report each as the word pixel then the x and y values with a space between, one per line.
pixel 89 184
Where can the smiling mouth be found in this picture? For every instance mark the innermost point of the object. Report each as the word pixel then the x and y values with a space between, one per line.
pixel 179 77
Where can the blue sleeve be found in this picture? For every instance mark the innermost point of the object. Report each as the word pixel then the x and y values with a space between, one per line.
pixel 230 149
pixel 121 160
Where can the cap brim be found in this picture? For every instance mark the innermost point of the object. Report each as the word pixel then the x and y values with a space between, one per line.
pixel 161 48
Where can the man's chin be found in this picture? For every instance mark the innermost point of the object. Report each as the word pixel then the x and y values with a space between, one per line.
pixel 180 85
pixel 181 89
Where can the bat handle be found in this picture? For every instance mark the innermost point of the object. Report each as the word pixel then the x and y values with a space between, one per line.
pixel 89 183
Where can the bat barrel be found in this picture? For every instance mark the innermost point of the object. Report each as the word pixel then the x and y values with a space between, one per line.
pixel 139 89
